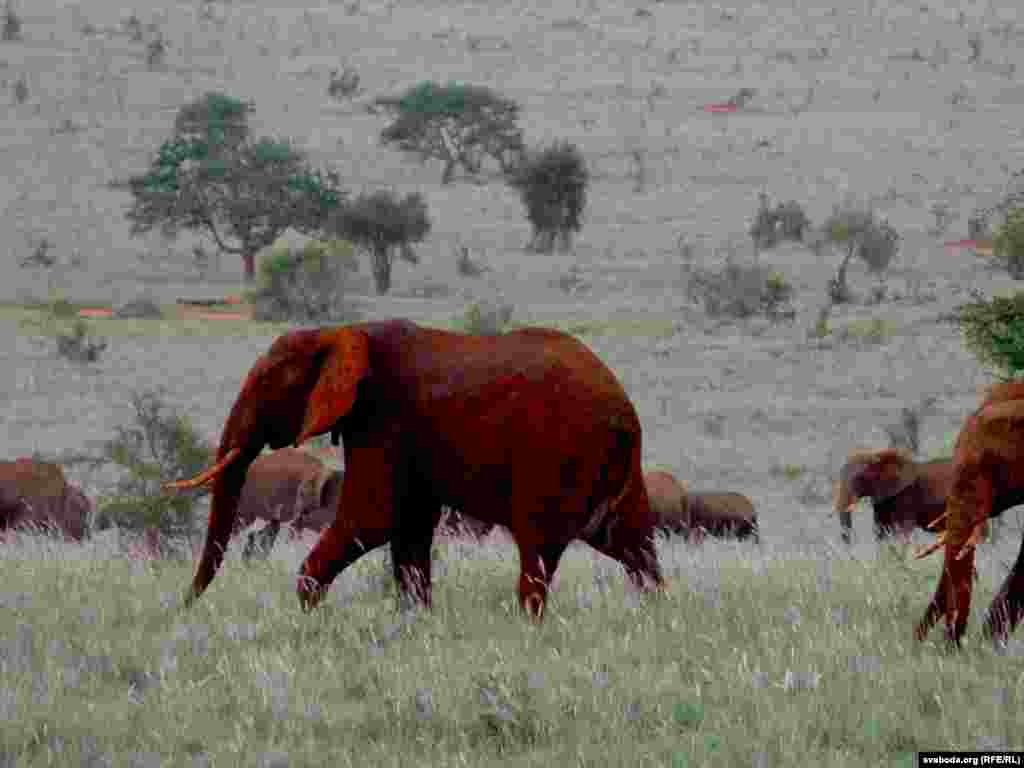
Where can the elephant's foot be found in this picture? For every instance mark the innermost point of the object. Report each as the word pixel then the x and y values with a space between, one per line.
pixel 310 593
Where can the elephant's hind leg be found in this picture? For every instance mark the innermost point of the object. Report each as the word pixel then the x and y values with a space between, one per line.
pixel 410 552
pixel 628 536
pixel 1008 606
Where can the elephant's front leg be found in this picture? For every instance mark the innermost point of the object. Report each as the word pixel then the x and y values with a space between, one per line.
pixel 367 499
pixel 1008 606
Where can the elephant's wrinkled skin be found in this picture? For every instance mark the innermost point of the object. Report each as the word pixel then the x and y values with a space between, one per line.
pixel 528 429
pixel 36 493
pixel 988 478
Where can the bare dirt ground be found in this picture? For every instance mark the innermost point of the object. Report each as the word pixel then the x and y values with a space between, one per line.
pixel 843 107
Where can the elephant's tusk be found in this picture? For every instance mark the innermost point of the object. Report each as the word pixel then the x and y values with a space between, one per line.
pixel 936 521
pixel 204 477
pixel 972 540
pixel 938 544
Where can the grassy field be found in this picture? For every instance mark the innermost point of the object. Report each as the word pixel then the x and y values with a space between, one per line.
pixel 798 653
pixel 758 658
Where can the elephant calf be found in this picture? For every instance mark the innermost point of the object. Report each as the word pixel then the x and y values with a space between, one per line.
pixel 694 513
pixel 722 514
pixel 287 486
pixel 37 493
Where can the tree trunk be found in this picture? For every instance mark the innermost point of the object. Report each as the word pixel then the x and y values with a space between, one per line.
pixel 249 262
pixel 381 269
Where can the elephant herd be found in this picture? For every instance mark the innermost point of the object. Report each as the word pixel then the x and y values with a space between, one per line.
pixel 530 431
pixel 293 489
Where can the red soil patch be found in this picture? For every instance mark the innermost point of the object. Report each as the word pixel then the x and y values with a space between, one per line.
pixel 185 312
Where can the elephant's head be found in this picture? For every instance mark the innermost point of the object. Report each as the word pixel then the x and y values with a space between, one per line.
pixel 877 475
pixel 303 386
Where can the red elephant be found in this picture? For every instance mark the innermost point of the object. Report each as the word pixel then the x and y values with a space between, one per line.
pixel 904 493
pixel 528 430
pixel 34 492
pixel 696 513
pixel 988 478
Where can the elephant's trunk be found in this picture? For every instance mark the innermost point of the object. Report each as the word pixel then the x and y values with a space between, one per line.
pixel 238 449
pixel 843 502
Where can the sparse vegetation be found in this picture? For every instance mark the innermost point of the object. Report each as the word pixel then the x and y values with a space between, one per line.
pixel 383 226
pixel 553 188
pixel 156 53
pixel 20 90
pixel 457 124
pixel 873 331
pixel 742 290
pixel 343 85
pixel 11 31
pixel 465 266
pixel 787 221
pixel 1008 243
pixel 860 233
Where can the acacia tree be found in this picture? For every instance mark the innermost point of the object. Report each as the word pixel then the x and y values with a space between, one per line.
pixel 458 124
pixel 383 226
pixel 874 242
pixel 213 178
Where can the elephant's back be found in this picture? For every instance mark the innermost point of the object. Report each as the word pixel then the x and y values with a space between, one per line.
pixel 667 498
pixel 33 479
pixel 721 505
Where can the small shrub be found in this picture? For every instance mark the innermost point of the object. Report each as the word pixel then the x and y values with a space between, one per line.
pixel 159 445
pixel 488 320
pixel 465 265
pixel 20 90
pixel 741 291
pixel 12 25
pixel 304 285
pixel 80 346
pixel 787 221
pixel 553 188
pixel 1008 243
pixel 156 53
pixel 343 85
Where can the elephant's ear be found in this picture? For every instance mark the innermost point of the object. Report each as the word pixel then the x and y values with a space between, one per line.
pixel 329 485
pixel 346 362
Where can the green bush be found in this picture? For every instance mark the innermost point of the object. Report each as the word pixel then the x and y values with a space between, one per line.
pixel 553 187
pixel 993 330
pixel 304 285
